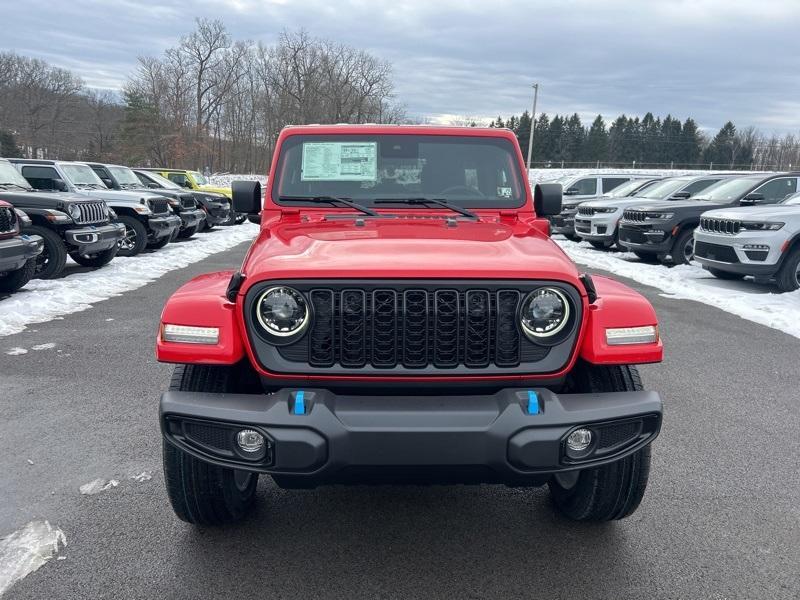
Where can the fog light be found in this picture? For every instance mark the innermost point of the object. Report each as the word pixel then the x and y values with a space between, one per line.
pixel 250 441
pixel 579 440
pixel 190 335
pixel 756 247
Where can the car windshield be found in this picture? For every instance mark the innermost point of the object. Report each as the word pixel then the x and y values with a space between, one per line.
pixel 728 190
pixel 124 176
pixel 162 181
pixel 199 178
pixel 793 200
pixel 664 189
pixel 624 189
pixel 82 175
pixel 9 175
pixel 468 171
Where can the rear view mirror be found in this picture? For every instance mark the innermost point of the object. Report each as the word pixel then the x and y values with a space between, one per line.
pixel 547 199
pixel 246 197
pixel 752 198
pixel 681 195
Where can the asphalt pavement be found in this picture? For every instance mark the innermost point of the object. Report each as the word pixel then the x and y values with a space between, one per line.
pixel 720 519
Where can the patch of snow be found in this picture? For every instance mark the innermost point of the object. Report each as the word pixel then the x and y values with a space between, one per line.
pixel 225 179
pixel 16 351
pixel 24 551
pixel 48 346
pixel 109 320
pixel 97 486
pixel 745 299
pixel 143 476
pixel 46 300
pixel 30 462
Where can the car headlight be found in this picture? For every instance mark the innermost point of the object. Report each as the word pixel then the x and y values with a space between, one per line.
pixel 753 226
pixel 544 313
pixel 604 209
pixel 660 216
pixel 74 211
pixel 282 311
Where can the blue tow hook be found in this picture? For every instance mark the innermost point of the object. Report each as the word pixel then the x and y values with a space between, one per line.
pixel 533 403
pixel 299 403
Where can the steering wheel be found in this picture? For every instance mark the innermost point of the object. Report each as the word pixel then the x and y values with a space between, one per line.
pixel 465 188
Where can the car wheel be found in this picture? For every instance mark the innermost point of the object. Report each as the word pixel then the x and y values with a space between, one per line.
pixel 682 252
pixel 161 242
pixel 201 493
pixel 648 257
pixel 612 491
pixel 572 237
pixel 13 280
pixel 600 245
pixel 135 238
pixel 98 259
pixel 188 232
pixel 724 274
pixel 50 262
pixel 788 278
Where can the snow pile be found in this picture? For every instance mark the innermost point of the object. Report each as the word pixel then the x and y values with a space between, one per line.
pixel 97 486
pixel 142 477
pixel 225 179
pixel 24 551
pixel 745 299
pixel 45 300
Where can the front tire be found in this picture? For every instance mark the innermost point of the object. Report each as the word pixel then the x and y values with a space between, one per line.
pixel 13 280
pixel 201 493
pixel 98 259
pixel 612 491
pixel 50 263
pixel 188 232
pixel 600 245
pixel 788 278
pixel 646 257
pixel 135 238
pixel 161 242
pixel 682 252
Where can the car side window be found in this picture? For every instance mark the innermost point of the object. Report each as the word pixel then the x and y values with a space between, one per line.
pixel 178 178
pixel 584 187
pixel 777 189
pixel 609 183
pixel 697 186
pixel 41 178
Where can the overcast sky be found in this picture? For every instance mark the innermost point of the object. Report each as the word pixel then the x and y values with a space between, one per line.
pixel 713 60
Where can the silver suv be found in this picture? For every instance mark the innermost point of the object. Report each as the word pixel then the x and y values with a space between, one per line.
pixel 762 241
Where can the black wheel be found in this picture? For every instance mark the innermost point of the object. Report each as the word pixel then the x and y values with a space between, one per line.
pixel 206 225
pixel 724 274
pixel 135 238
pixel 231 220
pixel 201 493
pixel 98 259
pixel 13 280
pixel 600 245
pixel 648 257
pixel 188 232
pixel 788 278
pixel 50 263
pixel 572 237
pixel 683 249
pixel 241 218
pixel 163 241
pixel 612 491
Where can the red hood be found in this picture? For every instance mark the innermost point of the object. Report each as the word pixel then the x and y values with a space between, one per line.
pixel 424 248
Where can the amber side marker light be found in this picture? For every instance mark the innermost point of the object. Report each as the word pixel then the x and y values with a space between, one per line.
pixel 632 335
pixel 186 334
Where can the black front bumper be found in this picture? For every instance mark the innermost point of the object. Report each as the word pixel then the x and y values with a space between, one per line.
pixel 16 251
pixel 657 240
pixel 340 438
pixel 217 212
pixel 159 227
pixel 191 217
pixel 92 239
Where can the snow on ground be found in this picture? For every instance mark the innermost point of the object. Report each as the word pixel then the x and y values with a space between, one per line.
pixel 46 300
pixel 746 299
pixel 96 486
pixel 24 551
pixel 225 179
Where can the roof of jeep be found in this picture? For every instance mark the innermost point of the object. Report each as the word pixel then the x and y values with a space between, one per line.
pixel 374 129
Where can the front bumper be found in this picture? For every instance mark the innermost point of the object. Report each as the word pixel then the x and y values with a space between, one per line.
pixel 16 251
pixel 746 253
pixel 191 217
pixel 159 227
pixel 341 438
pixel 217 212
pixel 565 222
pixel 656 238
pixel 92 239
pixel 597 228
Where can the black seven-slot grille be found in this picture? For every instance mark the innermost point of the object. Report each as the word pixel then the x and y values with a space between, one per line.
pixel 92 212
pixel 586 211
pixel 8 220
pixel 636 216
pixel 727 226
pixel 400 326
pixel 159 205
pixel 187 201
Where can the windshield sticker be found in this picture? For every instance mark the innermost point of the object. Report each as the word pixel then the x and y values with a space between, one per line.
pixel 504 192
pixel 340 161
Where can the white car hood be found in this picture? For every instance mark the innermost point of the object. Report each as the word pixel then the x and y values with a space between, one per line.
pixel 618 202
pixel 754 213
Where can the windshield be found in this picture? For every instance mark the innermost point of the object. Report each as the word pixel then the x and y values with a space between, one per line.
pixel 728 190
pixel 199 178
pixel 468 171
pixel 626 188
pixel 81 175
pixel 162 181
pixel 124 176
pixel 8 174
pixel 664 189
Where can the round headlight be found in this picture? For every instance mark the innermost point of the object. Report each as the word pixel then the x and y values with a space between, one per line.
pixel 74 211
pixel 282 311
pixel 545 312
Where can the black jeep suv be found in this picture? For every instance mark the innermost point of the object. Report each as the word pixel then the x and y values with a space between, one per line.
pixel 69 224
pixel 18 251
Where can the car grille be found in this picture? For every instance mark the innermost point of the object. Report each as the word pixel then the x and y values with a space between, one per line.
pixel 8 220
pixel 92 212
pixel 635 216
pixel 715 252
pixel 188 201
pixel 586 211
pixel 159 205
pixel 726 226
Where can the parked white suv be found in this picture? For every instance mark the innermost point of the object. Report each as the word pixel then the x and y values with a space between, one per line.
pixel 762 241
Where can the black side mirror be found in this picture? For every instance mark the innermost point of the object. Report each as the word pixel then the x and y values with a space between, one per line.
pixel 752 198
pixel 681 195
pixel 571 192
pixel 547 199
pixel 60 185
pixel 246 197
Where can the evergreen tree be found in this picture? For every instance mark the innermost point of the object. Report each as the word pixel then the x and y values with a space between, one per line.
pixel 524 132
pixel 8 145
pixel 596 146
pixel 542 142
pixel 574 135
pixel 616 139
pixel 556 134
pixel 691 145
pixel 670 140
pixel 723 148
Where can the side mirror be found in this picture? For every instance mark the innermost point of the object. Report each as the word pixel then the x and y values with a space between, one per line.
pixel 246 197
pixel 752 198
pixel 681 195
pixel 547 199
pixel 571 192
pixel 60 185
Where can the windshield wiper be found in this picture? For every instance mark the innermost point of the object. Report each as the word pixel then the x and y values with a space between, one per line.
pixel 424 200
pixel 331 200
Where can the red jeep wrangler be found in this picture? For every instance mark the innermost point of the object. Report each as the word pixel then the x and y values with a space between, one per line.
pixel 404 317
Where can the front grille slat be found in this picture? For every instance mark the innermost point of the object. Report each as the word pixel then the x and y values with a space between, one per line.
pixel 158 205
pixel 91 213
pixel 723 226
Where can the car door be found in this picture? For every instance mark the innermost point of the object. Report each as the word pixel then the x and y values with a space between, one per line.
pixel 776 190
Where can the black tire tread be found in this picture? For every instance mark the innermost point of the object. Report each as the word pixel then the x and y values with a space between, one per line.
pixel 141 235
pixel 54 245
pixel 13 281
pixel 785 277
pixel 98 260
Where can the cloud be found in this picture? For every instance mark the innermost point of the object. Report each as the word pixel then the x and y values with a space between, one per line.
pixel 713 60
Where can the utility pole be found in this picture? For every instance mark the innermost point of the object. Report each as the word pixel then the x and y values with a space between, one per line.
pixel 533 122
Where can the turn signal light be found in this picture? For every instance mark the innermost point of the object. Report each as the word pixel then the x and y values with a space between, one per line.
pixel 186 334
pixel 622 336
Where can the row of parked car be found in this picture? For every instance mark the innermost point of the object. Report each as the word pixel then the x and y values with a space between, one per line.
pixel 733 224
pixel 92 212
